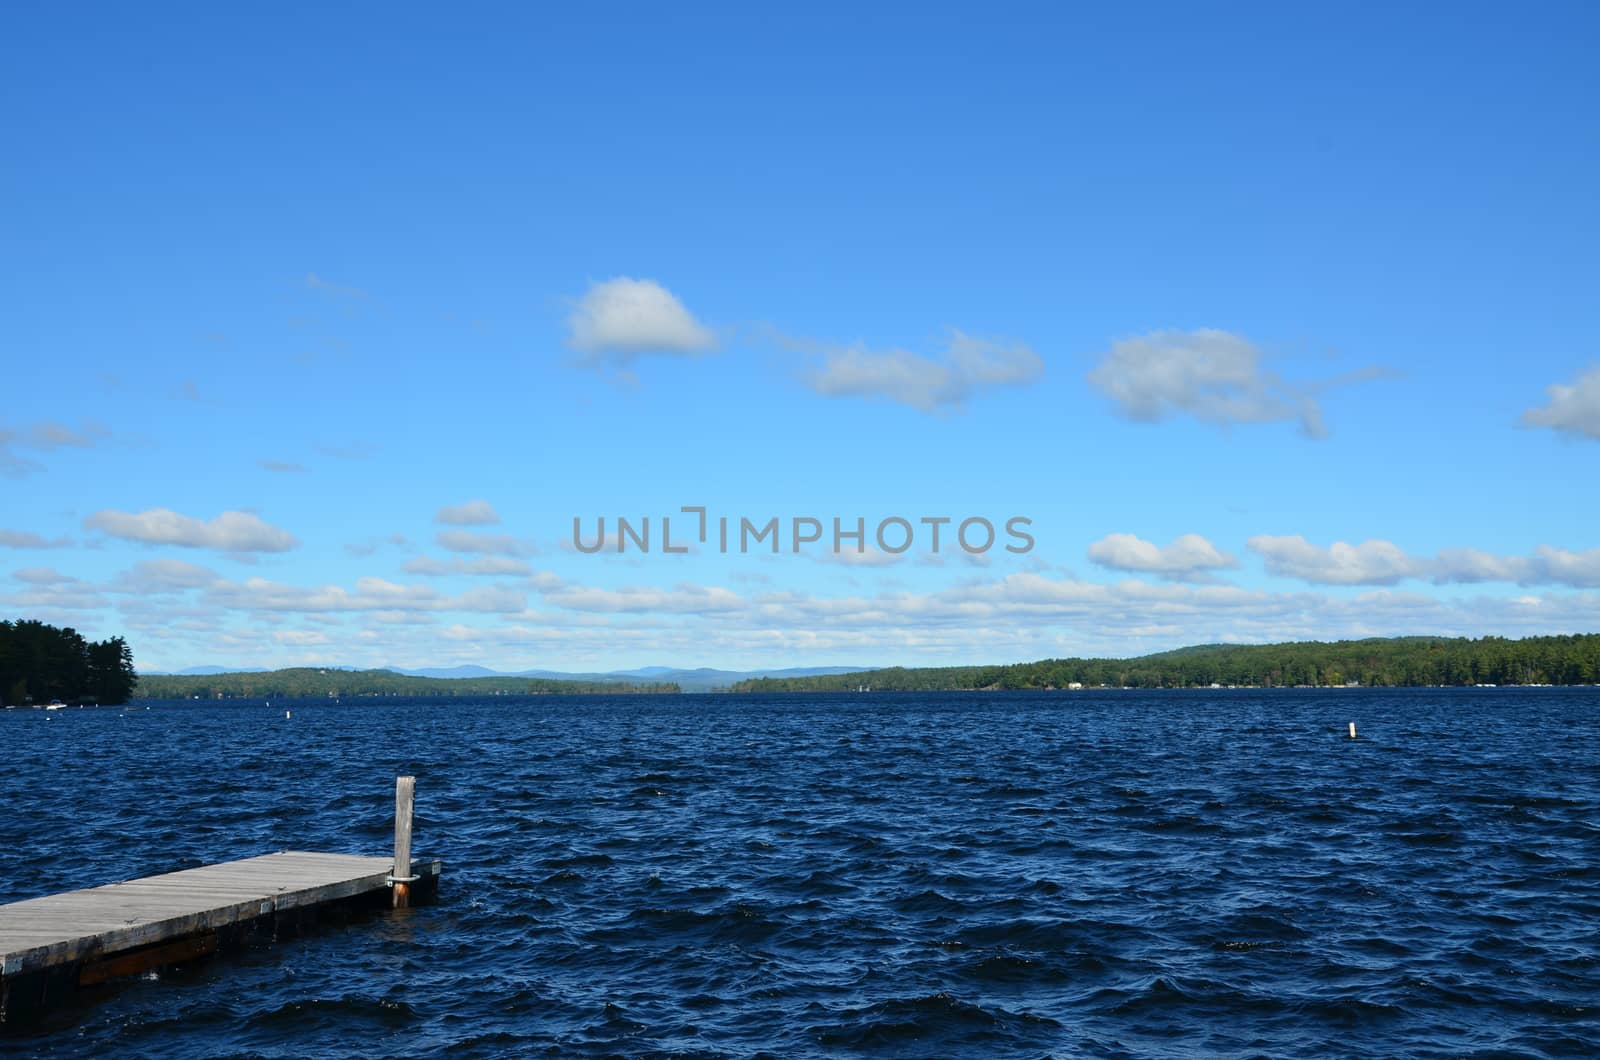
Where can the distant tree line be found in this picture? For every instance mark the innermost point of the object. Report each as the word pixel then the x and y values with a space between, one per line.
pixel 40 663
pixel 1384 662
pixel 312 682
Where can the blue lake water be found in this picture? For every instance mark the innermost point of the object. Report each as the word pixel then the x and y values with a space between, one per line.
pixel 1189 873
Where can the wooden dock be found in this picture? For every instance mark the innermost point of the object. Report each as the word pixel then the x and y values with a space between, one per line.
pixel 51 946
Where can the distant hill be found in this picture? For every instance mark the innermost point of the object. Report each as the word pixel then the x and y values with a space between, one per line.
pixel 304 682
pixel 700 679
pixel 1397 661
pixel 208 682
pixel 696 679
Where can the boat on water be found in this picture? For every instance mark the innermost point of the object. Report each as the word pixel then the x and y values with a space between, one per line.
pixel 55 704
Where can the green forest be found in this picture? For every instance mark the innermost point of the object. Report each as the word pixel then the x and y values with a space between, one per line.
pixel 1384 662
pixel 308 682
pixel 40 663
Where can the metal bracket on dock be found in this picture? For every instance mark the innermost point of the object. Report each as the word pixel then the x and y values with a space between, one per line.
pixel 392 880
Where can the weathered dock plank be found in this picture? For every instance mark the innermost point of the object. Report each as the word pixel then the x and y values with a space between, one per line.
pixel 123 928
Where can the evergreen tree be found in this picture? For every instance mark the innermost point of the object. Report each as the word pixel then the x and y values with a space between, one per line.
pixel 39 663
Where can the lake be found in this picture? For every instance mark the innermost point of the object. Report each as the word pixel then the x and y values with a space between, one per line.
pixel 1099 873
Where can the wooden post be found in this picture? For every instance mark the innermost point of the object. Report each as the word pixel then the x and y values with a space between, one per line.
pixel 405 790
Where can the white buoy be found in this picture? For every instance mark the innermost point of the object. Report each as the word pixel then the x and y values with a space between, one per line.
pixel 1352 730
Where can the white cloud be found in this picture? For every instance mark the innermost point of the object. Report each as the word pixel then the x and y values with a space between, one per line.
pixel 679 600
pixel 369 547
pixel 1385 563
pixel 401 618
pixel 46 436
pixel 1369 563
pixel 968 366
pixel 229 532
pixel 1573 408
pixel 1020 617
pixel 869 556
pixel 1472 565
pixel 618 319
pixel 487 544
pixel 489 565
pixel 42 576
pixel 1214 376
pixel 472 513
pixel 370 594
pixel 164 576
pixel 28 539
pixel 1188 557
pixel 47 592
pixel 301 637
pixel 1561 567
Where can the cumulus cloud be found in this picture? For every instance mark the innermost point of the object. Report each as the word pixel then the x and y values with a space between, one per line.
pixel 1562 567
pixel 229 532
pixel 1023 616
pixel 472 513
pixel 1385 563
pixel 369 547
pixel 28 539
pixel 45 436
pixel 1214 376
pixel 42 576
pixel 301 638
pixel 48 592
pixel 370 594
pixel 1020 616
pixel 1369 563
pixel 485 544
pixel 164 576
pixel 968 365
pixel 487 565
pixel 679 600
pixel 619 319
pixel 1188 558
pixel 1573 408
pixel 867 557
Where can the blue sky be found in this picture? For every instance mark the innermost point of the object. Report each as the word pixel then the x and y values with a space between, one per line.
pixel 1277 323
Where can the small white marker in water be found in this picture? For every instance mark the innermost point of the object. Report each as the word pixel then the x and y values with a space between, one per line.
pixel 1352 730
pixel 1352 727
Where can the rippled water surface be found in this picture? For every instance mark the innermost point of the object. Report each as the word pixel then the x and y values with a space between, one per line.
pixel 1075 874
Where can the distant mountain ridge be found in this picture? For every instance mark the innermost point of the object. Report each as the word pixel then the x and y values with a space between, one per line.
pixel 335 682
pixel 699 679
